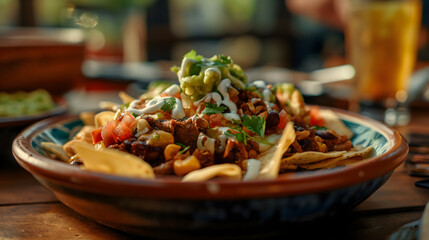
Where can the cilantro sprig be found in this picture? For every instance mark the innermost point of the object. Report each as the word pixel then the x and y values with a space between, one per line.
pixel 168 104
pixel 200 62
pixel 240 135
pixel 213 108
pixel 256 125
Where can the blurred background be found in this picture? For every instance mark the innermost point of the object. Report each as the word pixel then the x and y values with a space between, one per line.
pixel 61 44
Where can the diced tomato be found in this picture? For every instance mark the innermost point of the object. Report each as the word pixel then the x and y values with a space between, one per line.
pixel 122 131
pixel 128 119
pixel 109 137
pixel 96 136
pixel 315 118
pixel 215 120
pixel 113 131
pixel 283 119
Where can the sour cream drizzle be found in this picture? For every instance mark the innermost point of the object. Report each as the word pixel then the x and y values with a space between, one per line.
pixel 205 142
pixel 267 94
pixel 222 137
pixel 156 104
pixel 183 67
pixel 172 90
pixel 223 89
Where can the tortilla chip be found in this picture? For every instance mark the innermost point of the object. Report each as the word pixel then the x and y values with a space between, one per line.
pixel 270 160
pixel 226 170
pixel 87 118
pixel 107 105
pixel 320 164
pixel 311 157
pixel 333 122
pixel 112 161
pixel 125 97
pixel 57 150
pixel 354 155
pixel 285 167
pixel 253 166
pixel 102 118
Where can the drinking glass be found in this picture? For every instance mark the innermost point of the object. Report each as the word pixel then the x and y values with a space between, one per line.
pixel 382 39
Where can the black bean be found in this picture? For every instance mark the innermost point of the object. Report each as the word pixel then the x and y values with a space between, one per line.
pixel 325 134
pixel 273 119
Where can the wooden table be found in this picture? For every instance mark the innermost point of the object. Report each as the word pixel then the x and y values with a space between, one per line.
pixel 29 211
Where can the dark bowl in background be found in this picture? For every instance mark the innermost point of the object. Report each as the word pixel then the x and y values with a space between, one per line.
pixel 48 58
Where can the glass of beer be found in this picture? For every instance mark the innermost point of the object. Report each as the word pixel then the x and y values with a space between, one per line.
pixel 382 40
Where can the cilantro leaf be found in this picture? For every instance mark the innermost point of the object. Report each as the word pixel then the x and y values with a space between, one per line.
pixel 208 63
pixel 222 61
pixel 225 59
pixel 240 136
pixel 168 104
pixel 213 108
pixel 255 124
pixel 193 55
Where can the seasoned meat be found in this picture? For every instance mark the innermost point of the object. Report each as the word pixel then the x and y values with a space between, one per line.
pixel 164 168
pixel 184 131
pixel 200 123
pixel 164 125
pixel 205 157
pixel 167 168
pixel 152 155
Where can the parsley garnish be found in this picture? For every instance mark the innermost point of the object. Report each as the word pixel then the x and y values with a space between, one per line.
pixel 222 61
pixel 202 63
pixel 168 104
pixel 255 124
pixel 193 55
pixel 240 136
pixel 213 108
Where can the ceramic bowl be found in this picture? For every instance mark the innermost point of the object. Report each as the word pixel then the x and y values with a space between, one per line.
pixel 166 207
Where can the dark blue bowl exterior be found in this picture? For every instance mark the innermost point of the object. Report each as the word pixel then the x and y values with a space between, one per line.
pixel 170 217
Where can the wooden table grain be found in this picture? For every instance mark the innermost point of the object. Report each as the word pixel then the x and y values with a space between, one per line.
pixel 29 211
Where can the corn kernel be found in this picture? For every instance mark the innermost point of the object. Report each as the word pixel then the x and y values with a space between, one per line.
pixel 170 151
pixel 182 167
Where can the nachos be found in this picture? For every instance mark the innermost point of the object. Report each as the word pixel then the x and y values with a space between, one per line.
pixel 212 124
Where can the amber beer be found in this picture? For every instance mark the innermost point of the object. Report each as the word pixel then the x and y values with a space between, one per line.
pixel 382 44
